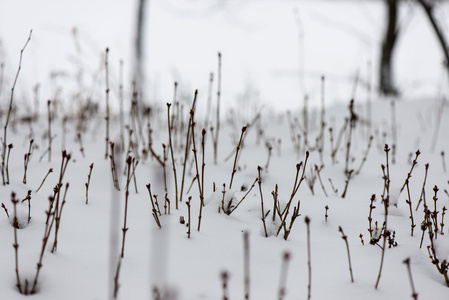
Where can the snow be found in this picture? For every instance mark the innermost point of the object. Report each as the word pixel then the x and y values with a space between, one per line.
pixel 183 40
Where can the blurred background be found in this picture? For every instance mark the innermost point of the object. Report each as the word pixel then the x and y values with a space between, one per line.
pixel 274 52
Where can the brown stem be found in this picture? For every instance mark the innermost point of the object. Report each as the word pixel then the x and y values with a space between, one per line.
pixel 88 182
pixel 16 244
pixel 26 160
pixel 48 173
pixel 188 216
pixel 217 128
pixel 187 147
pixel 154 211
pixel 409 271
pixel 10 108
pixel 236 155
pixel 261 201
pixel 106 153
pixel 10 146
pixel 385 234
pixel 345 238
pixel 309 263
pixel 422 197
pixel 125 217
pixel 283 277
pixel 171 152
pixel 246 264
pixel 243 198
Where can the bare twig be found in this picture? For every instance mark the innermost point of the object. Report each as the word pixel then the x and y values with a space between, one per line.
pixel 422 197
pixel 187 147
pixel 10 109
pixel 246 264
pixel 26 160
pixel 283 277
pixel 48 173
pixel 309 262
pixel 188 216
pixel 243 198
pixel 171 151
pixel 125 217
pixel 106 153
pixel 10 146
pixel 261 201
pixel 50 138
pixel 414 293
pixel 365 155
pixel 16 244
pixel 154 211
pixel 28 198
pixel 113 168
pixel 385 234
pixel 345 238
pixel 217 126
pixel 224 280
pixel 88 182
pixel 236 155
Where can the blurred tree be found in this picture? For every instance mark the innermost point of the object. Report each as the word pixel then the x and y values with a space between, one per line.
pixel 429 7
pixel 386 83
pixel 139 47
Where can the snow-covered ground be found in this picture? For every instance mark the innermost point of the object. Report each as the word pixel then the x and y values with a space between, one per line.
pixel 192 267
pixel 183 41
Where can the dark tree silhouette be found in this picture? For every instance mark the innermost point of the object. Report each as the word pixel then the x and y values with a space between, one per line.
pixel 429 7
pixel 386 83
pixel 139 46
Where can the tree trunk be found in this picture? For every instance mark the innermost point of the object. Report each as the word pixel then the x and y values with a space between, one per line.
pixel 386 84
pixel 139 47
pixel 428 8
